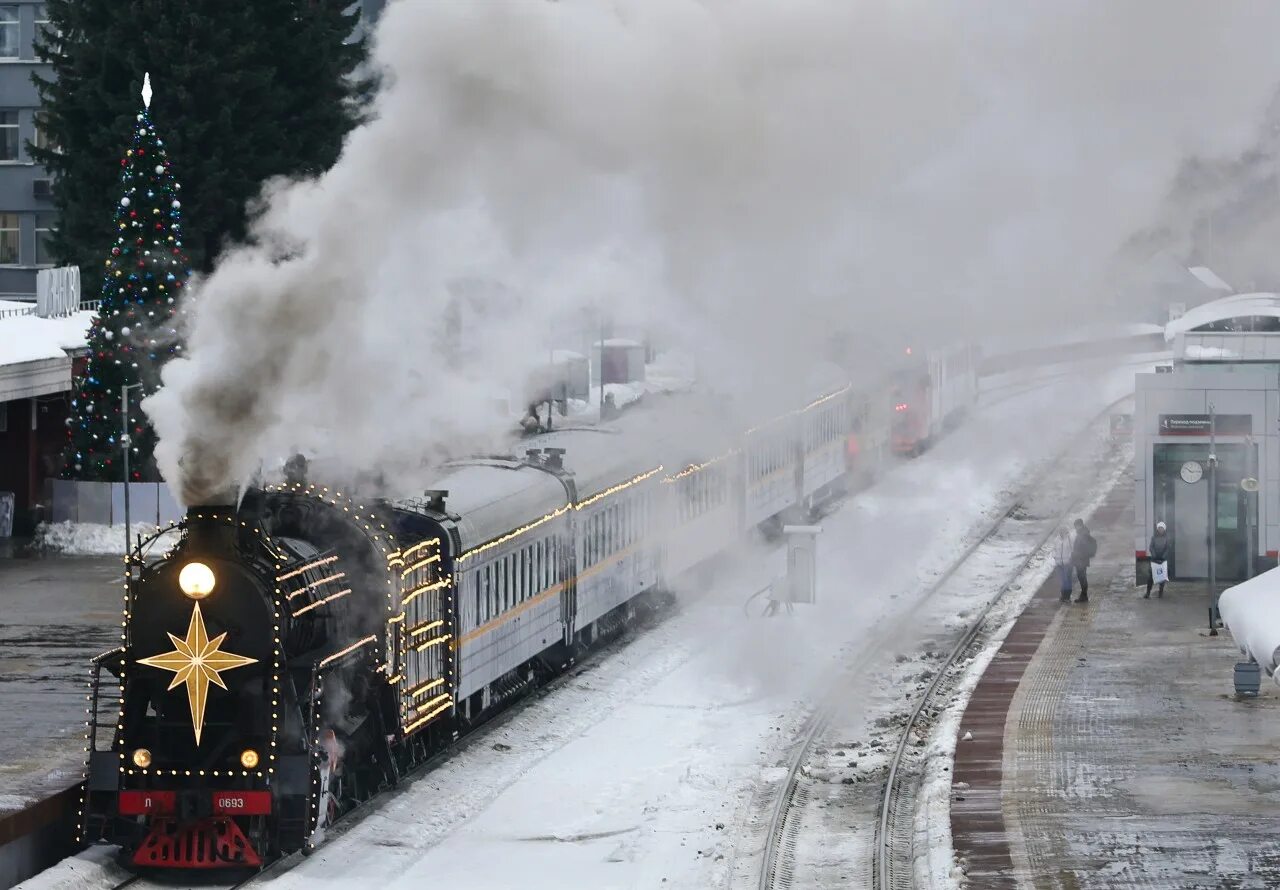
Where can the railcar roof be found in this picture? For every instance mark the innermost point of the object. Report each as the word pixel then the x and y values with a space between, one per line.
pixel 493 497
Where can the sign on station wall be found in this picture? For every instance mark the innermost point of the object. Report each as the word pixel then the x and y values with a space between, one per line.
pixel 1198 424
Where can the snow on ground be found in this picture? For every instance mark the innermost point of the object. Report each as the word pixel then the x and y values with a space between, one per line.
pixel 27 338
pixel 634 773
pixel 95 539
pixel 640 769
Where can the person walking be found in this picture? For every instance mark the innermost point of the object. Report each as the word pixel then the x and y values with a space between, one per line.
pixel 1158 557
pixel 1062 559
pixel 1082 552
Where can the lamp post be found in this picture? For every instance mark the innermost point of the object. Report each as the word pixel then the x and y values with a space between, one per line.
pixel 1213 523
pixel 125 442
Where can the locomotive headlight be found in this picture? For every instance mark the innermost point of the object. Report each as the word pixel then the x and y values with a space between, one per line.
pixel 142 758
pixel 248 758
pixel 196 580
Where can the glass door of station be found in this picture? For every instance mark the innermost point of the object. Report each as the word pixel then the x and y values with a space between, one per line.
pixel 1184 506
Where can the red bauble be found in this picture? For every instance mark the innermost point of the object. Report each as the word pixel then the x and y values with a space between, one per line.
pixel 133 214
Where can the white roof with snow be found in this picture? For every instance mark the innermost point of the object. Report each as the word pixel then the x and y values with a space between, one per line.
pixel 29 338
pixel 35 352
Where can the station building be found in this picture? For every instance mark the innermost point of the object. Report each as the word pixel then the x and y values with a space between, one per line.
pixel 1219 398
pixel 40 355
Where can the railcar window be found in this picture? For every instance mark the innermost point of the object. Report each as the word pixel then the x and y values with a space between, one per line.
pixel 529 586
pixel 476 588
pixel 488 592
pixel 518 596
pixel 524 574
pixel 506 583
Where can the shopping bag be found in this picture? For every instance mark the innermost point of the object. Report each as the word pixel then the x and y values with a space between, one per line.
pixel 1160 572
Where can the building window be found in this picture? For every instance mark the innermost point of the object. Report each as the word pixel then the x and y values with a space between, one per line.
pixel 10 239
pixel 4 417
pixel 8 134
pixel 44 239
pixel 9 32
pixel 41 137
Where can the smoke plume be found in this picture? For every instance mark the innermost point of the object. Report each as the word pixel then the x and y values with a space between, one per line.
pixel 747 175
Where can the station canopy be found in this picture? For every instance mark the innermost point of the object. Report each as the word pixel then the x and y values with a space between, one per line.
pixel 1240 313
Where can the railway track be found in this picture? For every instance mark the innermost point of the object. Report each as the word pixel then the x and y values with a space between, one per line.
pixel 142 882
pixel 892 847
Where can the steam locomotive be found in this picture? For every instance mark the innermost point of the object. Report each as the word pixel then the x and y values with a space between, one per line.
pixel 298 651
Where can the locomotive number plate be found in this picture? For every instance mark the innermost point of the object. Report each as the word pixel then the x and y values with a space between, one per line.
pixel 241 803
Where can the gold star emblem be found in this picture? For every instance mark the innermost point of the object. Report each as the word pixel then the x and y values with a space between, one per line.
pixel 197 662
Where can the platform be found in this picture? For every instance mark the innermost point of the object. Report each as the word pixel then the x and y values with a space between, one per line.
pixel 1109 748
pixel 55 614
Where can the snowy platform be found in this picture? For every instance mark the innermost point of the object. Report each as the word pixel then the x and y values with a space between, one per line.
pixel 55 614
pixel 1116 754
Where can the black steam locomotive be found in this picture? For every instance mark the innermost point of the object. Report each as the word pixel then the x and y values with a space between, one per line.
pixel 257 684
pixel 296 652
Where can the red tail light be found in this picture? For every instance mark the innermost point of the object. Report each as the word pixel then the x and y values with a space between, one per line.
pixel 900 407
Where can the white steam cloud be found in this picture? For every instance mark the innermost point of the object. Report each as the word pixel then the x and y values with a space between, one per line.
pixel 749 174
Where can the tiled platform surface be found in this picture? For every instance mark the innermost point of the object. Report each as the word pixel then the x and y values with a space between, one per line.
pixel 55 614
pixel 1109 749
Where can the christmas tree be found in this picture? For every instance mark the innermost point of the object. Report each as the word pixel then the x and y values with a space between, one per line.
pixel 134 333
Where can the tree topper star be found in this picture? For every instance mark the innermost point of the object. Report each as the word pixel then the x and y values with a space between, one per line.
pixel 197 662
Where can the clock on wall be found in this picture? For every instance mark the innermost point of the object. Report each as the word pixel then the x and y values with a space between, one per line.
pixel 1192 471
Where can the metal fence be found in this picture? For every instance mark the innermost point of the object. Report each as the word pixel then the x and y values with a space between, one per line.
pixel 103 502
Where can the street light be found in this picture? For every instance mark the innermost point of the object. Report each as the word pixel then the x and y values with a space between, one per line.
pixel 125 442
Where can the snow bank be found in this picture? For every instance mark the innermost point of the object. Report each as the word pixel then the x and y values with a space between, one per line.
pixel 1251 611
pixel 28 338
pixel 93 539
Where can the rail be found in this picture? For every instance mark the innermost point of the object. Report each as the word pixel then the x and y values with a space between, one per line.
pixel 780 840
pixel 884 860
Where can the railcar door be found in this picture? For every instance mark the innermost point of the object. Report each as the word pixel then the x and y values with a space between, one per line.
pixel 567 566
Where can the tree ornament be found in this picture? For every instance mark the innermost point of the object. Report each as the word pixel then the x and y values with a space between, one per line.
pixel 125 202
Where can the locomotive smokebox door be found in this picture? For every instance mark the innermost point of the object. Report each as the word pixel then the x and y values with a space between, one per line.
pixel 802 562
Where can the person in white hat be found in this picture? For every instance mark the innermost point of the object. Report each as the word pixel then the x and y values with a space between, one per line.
pixel 1158 556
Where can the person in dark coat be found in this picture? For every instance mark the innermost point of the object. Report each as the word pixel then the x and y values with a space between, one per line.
pixel 1082 551
pixel 1158 550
